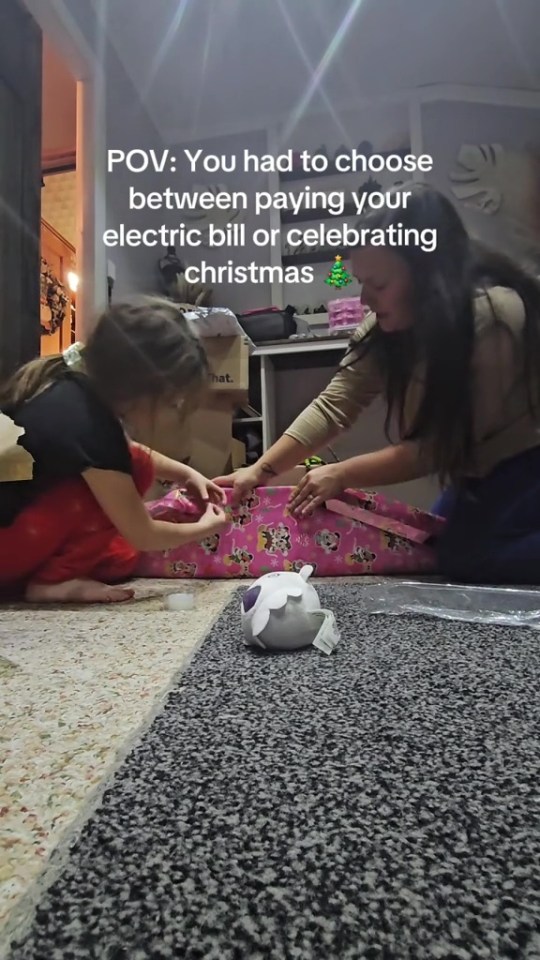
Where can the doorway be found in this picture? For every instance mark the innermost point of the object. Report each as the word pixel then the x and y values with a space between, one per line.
pixel 58 235
pixel 23 24
pixel 20 185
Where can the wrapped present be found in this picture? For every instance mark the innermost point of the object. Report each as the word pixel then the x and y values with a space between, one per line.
pixel 361 533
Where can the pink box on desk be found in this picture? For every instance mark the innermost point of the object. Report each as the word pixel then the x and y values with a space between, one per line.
pixel 346 312
pixel 361 533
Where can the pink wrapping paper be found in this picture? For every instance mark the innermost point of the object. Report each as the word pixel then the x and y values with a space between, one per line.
pixel 379 538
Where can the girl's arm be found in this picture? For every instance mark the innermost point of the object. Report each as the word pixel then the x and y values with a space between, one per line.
pixel 119 499
pixel 193 481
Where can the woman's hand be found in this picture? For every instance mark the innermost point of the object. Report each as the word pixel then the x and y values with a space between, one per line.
pixel 315 488
pixel 242 481
pixel 202 489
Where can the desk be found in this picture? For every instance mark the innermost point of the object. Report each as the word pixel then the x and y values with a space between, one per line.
pixel 271 359
pixel 283 395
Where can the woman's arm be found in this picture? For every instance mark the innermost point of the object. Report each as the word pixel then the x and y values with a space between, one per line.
pixel 283 455
pixel 352 389
pixel 119 499
pixel 393 464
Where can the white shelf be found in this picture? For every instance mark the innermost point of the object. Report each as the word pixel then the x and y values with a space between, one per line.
pixel 300 346
pixel 314 319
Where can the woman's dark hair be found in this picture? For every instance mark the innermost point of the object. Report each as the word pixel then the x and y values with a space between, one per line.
pixel 445 283
pixel 142 347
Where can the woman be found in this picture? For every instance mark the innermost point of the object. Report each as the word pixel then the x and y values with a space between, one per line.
pixel 76 525
pixel 453 345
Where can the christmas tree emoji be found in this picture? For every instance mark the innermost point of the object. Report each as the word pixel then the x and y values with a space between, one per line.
pixel 338 276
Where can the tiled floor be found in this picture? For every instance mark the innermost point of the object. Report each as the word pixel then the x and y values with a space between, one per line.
pixel 76 687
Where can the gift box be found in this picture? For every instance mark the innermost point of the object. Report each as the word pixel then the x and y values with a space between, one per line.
pixel 346 313
pixel 360 533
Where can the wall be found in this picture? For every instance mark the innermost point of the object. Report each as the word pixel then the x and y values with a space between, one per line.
pixel 59 203
pixel 127 126
pixel 59 113
pixel 299 379
pixel 386 127
pixel 446 126
pixel 511 184
pixel 504 206
pixel 236 296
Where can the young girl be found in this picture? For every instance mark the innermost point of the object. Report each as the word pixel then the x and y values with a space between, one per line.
pixel 453 344
pixel 79 524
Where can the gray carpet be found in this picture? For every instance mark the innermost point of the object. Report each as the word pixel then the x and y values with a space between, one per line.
pixel 383 803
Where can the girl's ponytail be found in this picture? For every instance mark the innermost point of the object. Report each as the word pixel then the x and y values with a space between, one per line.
pixel 31 379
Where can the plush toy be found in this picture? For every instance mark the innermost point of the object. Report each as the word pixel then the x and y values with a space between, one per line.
pixel 282 611
pixel 190 294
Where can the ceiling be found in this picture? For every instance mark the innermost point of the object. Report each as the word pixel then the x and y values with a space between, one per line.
pixel 212 65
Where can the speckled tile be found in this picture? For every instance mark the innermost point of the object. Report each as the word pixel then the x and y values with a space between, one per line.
pixel 77 685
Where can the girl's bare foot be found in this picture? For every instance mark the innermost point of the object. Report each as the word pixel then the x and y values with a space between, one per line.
pixel 77 591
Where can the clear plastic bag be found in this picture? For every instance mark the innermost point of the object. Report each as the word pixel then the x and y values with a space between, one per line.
pixel 506 606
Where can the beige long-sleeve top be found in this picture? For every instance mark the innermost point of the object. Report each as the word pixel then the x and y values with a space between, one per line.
pixel 502 422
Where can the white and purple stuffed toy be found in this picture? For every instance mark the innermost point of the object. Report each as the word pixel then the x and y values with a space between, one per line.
pixel 282 611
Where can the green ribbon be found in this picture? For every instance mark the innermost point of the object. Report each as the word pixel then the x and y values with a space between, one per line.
pixel 312 462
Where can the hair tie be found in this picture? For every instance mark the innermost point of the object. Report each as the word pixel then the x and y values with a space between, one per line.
pixel 73 356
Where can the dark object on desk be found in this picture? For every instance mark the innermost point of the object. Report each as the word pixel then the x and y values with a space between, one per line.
pixel 262 326
pixel 175 285
pixel 170 266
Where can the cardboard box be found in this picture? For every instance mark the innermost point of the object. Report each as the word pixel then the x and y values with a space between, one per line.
pixel 228 358
pixel 212 449
pixel 205 440
pixel 211 443
pixel 212 322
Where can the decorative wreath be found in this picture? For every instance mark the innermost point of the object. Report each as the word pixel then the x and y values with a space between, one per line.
pixel 53 300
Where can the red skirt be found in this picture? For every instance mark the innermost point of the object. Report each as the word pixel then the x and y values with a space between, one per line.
pixel 65 535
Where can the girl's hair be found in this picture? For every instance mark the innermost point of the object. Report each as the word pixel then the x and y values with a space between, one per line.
pixel 444 285
pixel 139 348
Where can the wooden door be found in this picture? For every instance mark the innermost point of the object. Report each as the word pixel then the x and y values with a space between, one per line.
pixel 20 185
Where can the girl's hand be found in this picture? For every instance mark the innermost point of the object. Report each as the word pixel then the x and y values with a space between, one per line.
pixel 315 488
pixel 202 489
pixel 213 521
